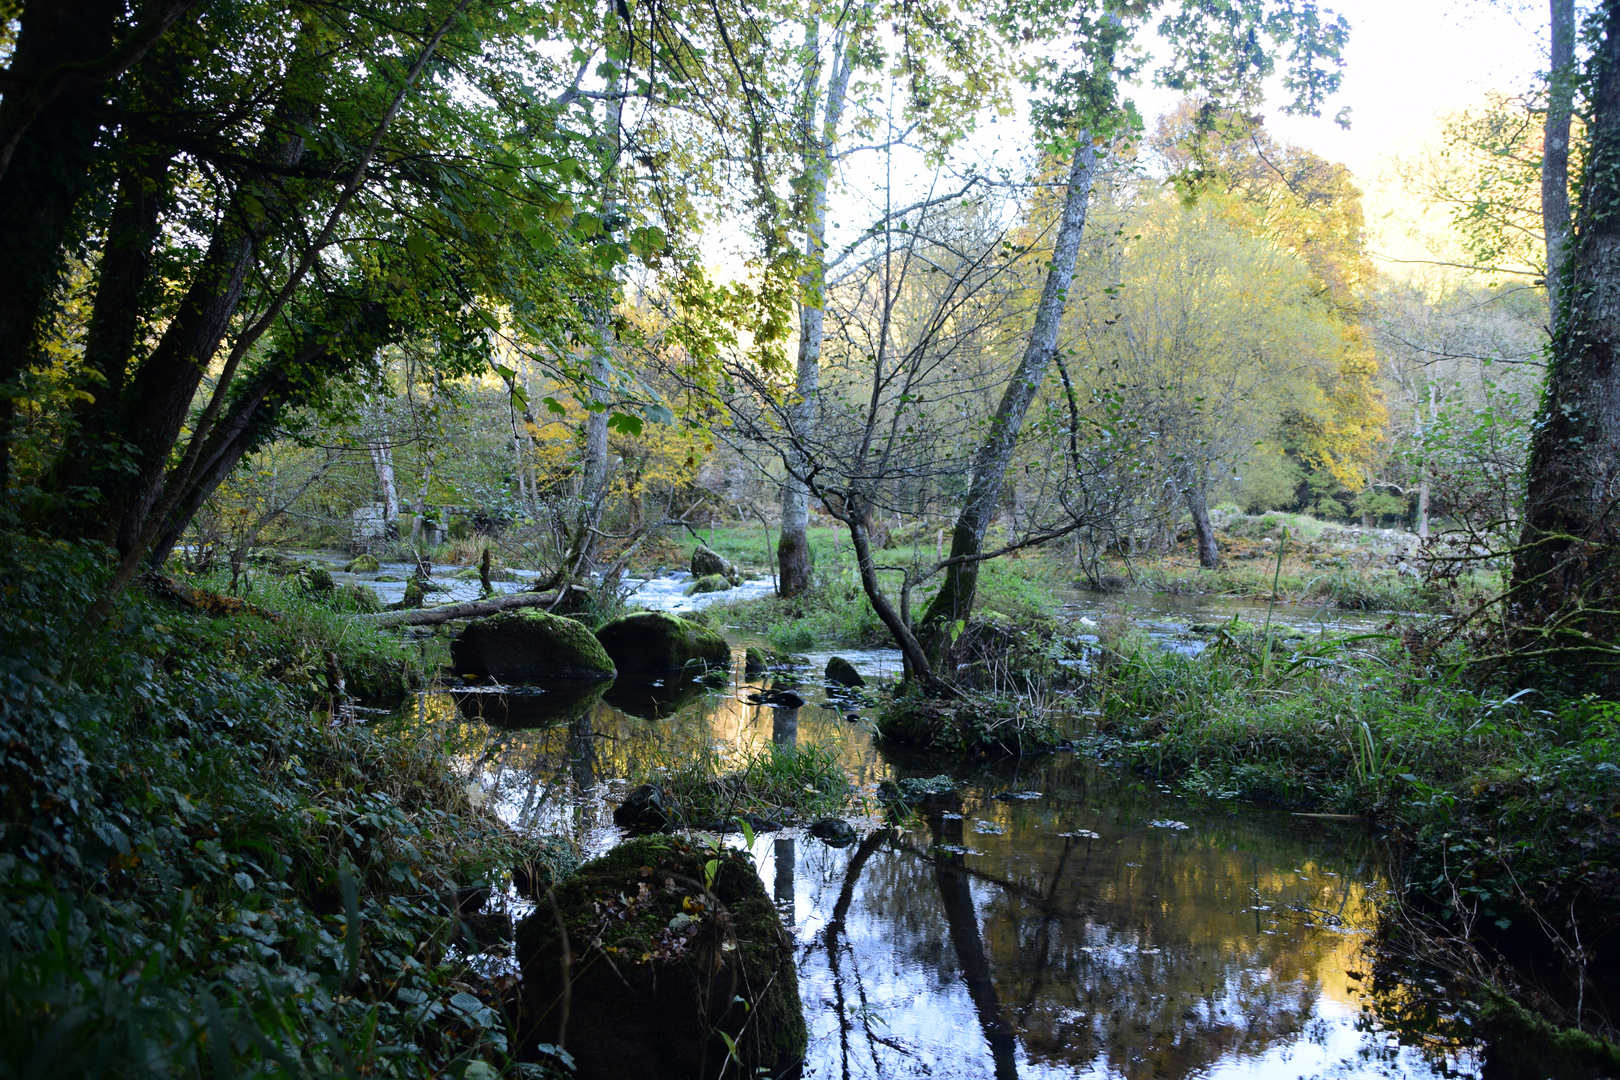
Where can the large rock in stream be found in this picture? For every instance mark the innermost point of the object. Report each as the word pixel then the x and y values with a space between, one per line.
pixel 659 965
pixel 655 642
pixel 527 646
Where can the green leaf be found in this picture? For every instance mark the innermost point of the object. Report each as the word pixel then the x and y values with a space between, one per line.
pixel 625 424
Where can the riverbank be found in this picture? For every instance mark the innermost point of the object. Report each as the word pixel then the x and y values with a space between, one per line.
pixel 215 860
pixel 1503 803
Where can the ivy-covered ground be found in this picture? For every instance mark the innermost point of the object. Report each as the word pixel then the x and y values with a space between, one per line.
pixel 209 864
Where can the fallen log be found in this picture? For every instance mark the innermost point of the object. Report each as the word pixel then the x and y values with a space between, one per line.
pixel 472 609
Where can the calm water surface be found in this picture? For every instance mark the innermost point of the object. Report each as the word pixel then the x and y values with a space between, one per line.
pixel 1055 918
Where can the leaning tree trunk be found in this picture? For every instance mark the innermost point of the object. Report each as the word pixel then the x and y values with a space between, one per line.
pixel 1209 554
pixel 1566 573
pixel 954 601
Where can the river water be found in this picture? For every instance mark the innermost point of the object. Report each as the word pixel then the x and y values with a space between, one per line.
pixel 1058 917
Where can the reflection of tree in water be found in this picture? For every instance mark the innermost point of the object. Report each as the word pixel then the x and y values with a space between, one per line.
pixel 548 779
pixel 1141 948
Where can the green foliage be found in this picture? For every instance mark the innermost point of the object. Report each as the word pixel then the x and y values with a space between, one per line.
pixel 783 783
pixel 830 613
pixel 205 875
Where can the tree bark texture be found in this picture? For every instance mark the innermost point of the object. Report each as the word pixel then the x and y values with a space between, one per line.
pixel 954 601
pixel 1566 575
pixel 793 545
pixel 1555 150
pixel 1209 553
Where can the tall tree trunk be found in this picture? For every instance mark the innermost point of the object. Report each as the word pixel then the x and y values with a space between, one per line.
pixel 123 283
pixel 1555 150
pixel 1209 554
pixel 49 169
pixel 160 394
pixel 954 601
pixel 793 545
pixel 1566 573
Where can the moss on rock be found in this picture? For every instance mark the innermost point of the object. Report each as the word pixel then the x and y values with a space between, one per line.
pixel 664 937
pixel 654 641
pixel 520 646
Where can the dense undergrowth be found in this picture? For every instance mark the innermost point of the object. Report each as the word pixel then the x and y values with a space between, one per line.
pixel 207 870
pixel 1504 803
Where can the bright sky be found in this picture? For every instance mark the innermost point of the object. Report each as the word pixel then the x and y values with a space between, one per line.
pixel 1407 61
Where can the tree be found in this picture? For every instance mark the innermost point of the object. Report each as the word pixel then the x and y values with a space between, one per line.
pixel 1566 571
pixel 305 196
pixel 1213 335
pixel 1214 50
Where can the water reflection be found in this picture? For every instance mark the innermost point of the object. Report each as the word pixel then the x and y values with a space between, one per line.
pixel 1100 928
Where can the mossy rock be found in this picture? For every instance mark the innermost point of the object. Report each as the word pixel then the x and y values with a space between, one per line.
pixel 361 598
pixel 843 673
pixel 415 596
pixel 974 725
pixel 363 564
pixel 394 578
pixel 655 641
pixel 315 581
pixel 754 661
pixel 706 562
pixel 707 584
pixel 528 645
pixel 661 965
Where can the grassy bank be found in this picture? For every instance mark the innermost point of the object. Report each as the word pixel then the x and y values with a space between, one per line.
pixel 204 873
pixel 1505 804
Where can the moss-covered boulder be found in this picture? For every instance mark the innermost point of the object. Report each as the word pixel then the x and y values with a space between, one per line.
pixel 662 964
pixel 363 564
pixel 843 673
pixel 706 562
pixel 707 584
pixel 528 645
pixel 755 662
pixel 655 641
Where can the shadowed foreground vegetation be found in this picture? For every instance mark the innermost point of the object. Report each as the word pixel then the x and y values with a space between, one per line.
pixel 208 873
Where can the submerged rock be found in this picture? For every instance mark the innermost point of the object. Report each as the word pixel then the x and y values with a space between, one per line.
pixel 662 965
pixel 835 831
pixel 735 823
pixel 653 700
pixel 559 701
pixel 647 807
pixel 655 641
pixel 708 583
pixel 521 646
pixel 843 673
pixel 914 789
